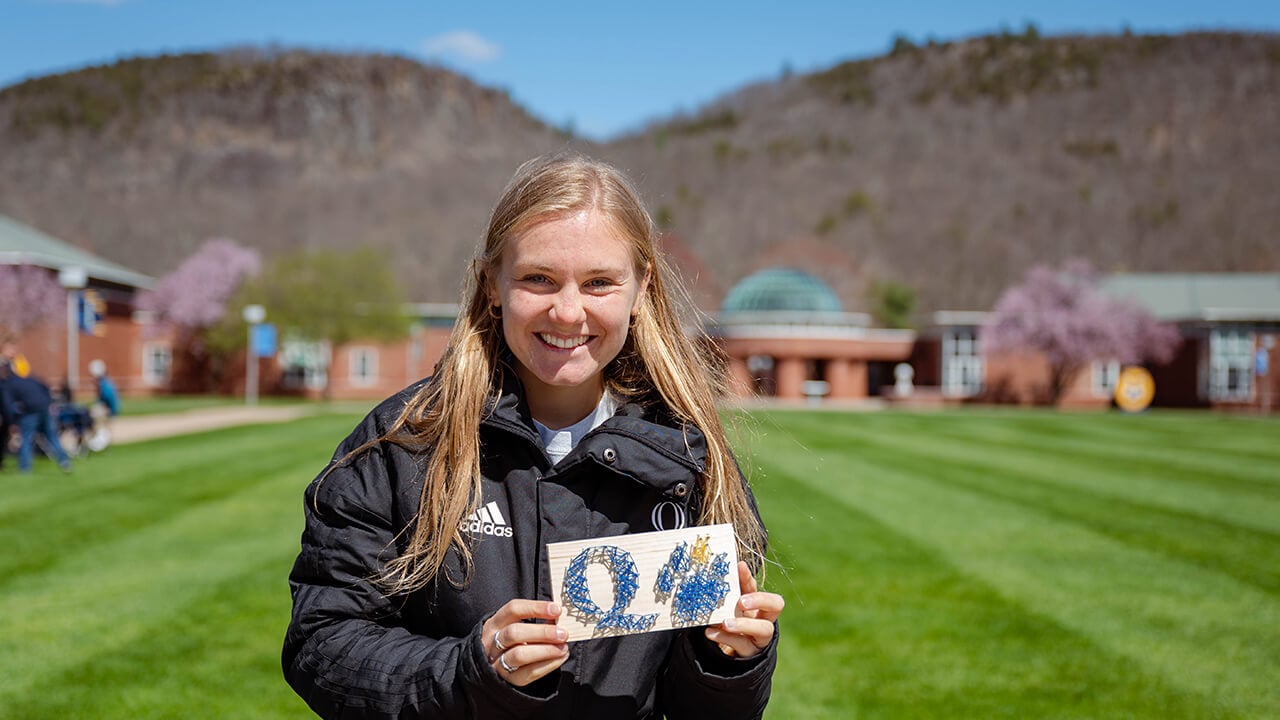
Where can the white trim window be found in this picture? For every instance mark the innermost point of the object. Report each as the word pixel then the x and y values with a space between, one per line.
pixel 1103 376
pixel 962 367
pixel 1231 365
pixel 157 364
pixel 304 364
pixel 362 366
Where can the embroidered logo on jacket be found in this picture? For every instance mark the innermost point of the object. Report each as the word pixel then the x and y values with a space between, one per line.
pixel 667 515
pixel 487 520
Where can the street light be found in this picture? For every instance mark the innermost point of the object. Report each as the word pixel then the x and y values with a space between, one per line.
pixel 74 279
pixel 254 315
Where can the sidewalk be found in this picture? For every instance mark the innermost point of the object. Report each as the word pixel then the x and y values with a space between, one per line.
pixel 128 429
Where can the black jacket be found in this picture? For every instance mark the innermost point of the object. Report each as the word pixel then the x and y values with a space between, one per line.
pixel 23 396
pixel 351 652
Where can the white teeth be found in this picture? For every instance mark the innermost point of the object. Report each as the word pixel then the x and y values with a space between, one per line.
pixel 564 343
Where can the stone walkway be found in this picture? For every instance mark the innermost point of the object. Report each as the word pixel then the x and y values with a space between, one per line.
pixel 127 429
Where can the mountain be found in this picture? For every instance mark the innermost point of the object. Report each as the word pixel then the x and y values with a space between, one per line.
pixel 949 168
pixel 143 160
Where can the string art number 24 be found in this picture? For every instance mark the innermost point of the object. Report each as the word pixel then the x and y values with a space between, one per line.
pixel 638 583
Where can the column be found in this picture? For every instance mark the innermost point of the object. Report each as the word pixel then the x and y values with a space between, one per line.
pixel 857 379
pixel 740 384
pixel 838 378
pixel 790 376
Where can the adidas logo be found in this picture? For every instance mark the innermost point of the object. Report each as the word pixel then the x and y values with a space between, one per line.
pixel 487 520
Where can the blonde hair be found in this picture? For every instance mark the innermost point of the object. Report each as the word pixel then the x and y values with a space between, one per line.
pixel 658 356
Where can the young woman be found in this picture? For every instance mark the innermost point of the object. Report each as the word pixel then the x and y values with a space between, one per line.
pixel 569 404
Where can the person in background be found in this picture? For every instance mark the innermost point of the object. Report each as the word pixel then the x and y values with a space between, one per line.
pixel 107 394
pixel 106 407
pixel 16 361
pixel 26 403
pixel 7 428
pixel 570 403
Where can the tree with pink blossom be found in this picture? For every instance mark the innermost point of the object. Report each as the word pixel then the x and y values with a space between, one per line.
pixel 29 295
pixel 195 295
pixel 1066 318
pixel 193 299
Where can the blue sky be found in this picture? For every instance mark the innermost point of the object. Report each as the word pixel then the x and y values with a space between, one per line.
pixel 602 67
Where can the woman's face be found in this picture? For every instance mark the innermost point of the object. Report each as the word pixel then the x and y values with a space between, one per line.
pixel 567 288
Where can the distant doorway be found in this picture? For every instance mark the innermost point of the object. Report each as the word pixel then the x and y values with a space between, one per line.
pixel 879 377
pixel 764 381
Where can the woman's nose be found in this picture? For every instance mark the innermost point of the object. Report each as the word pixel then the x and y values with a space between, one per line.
pixel 568 306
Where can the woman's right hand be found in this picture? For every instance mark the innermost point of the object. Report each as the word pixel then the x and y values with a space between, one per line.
pixel 523 651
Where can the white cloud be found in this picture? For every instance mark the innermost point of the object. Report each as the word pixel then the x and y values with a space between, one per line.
pixel 462 44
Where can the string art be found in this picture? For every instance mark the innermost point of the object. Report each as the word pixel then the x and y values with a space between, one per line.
pixel 697 580
pixel 660 580
pixel 625 583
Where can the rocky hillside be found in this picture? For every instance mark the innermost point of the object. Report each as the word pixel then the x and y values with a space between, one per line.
pixel 948 168
pixel 143 160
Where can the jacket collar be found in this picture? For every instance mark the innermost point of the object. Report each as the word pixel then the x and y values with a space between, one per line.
pixel 641 440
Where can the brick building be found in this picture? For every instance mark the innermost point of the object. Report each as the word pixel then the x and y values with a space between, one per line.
pixel 134 360
pixel 786 335
pixel 783 333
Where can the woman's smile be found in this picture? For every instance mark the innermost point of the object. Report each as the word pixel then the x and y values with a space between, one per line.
pixel 564 343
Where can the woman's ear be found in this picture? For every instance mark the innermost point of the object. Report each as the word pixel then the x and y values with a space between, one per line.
pixel 644 288
pixel 489 286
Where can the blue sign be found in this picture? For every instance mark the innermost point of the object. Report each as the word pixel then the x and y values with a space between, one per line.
pixel 1260 362
pixel 264 340
pixel 90 308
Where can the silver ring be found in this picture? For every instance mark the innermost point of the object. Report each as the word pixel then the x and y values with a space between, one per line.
pixel 498 643
pixel 502 660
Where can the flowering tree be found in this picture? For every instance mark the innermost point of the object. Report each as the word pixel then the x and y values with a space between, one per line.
pixel 1064 316
pixel 324 295
pixel 195 295
pixel 28 296
pixel 193 299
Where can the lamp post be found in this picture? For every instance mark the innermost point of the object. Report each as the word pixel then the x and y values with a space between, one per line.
pixel 254 315
pixel 74 279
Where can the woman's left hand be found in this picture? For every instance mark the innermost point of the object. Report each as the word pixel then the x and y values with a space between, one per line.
pixel 751 628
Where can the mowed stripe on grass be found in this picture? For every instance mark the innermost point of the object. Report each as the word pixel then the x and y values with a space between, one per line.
pixel 975 564
pixel 153 554
pixel 1159 607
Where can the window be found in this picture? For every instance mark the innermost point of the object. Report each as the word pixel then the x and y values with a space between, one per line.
pixel 157 361
pixel 962 367
pixel 1103 377
pixel 362 366
pixel 1231 365
pixel 304 364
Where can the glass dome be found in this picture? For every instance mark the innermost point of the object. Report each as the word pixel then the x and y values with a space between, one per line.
pixel 781 290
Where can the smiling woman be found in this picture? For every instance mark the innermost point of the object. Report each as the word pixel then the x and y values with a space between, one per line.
pixel 569 405
pixel 567 290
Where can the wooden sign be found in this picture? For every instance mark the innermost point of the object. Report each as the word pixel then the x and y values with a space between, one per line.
pixel 629 584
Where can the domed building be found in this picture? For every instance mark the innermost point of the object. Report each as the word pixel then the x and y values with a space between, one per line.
pixel 786 335
pixel 781 290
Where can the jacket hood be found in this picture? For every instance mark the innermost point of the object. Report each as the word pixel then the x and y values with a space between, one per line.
pixel 641 441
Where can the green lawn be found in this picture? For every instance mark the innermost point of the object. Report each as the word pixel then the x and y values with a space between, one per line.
pixel 1014 564
pixel 977 564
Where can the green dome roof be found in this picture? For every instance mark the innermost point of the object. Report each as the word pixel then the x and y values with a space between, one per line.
pixel 781 289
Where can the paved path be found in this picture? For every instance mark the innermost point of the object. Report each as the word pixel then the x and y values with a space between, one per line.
pixel 135 428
